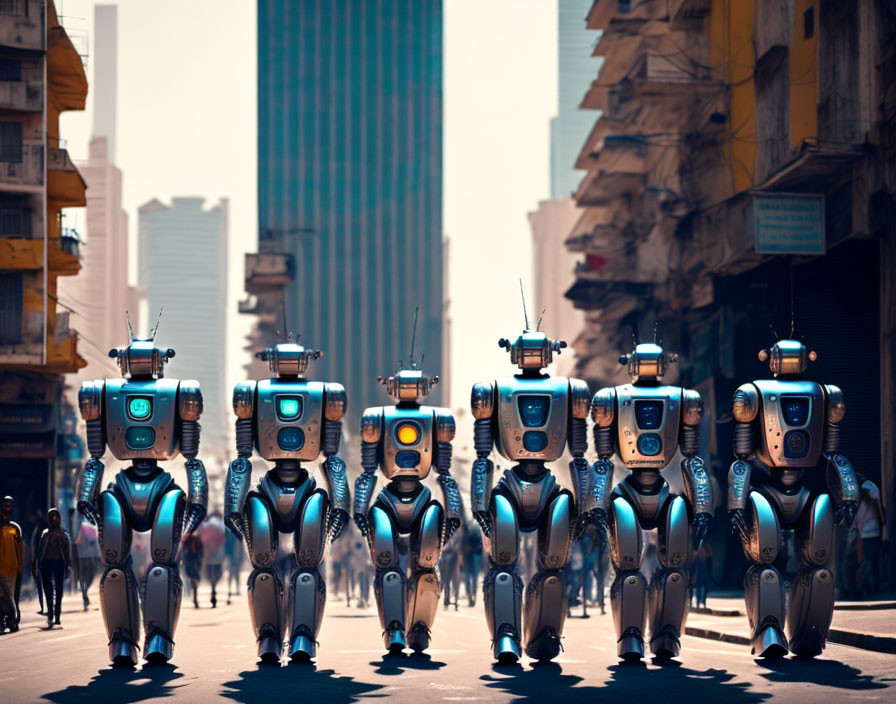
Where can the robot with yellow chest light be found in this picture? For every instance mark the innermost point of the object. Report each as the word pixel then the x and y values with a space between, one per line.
pixel 406 441
pixel 645 423
pixel 288 420
pixel 786 425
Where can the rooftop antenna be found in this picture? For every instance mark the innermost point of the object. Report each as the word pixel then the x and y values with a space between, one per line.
pixel 414 335
pixel 525 314
pixel 127 317
pixel 540 318
pixel 156 328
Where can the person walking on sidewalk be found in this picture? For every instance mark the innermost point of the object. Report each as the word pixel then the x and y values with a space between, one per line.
pixel 233 547
pixel 192 558
pixel 40 524
pixel 54 559
pixel 213 536
pixel 12 562
pixel 88 551
pixel 870 521
pixel 702 575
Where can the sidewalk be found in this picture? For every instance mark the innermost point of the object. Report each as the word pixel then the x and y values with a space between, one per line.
pixel 866 625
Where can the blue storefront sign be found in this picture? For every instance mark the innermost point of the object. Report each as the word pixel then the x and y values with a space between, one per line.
pixel 786 223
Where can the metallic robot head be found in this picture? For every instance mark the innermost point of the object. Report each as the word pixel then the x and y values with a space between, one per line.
pixel 289 359
pixel 647 361
pixel 787 357
pixel 141 359
pixel 409 385
pixel 533 350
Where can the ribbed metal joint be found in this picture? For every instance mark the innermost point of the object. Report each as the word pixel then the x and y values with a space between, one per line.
pixel 578 437
pixel 96 444
pixel 831 438
pixel 603 441
pixel 482 436
pixel 244 437
pixel 443 465
pixel 332 436
pixel 743 439
pixel 189 438
pixel 368 456
pixel 690 440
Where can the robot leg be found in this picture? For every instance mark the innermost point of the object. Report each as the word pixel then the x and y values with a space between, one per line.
pixel 265 588
pixel 546 598
pixel 628 593
pixel 668 596
pixel 390 583
pixel 503 588
pixel 307 590
pixel 763 588
pixel 162 587
pixel 423 587
pixel 811 603
pixel 118 585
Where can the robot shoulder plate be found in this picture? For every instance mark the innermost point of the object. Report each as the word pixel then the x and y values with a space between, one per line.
pixel 579 398
pixel 745 406
pixel 482 400
pixel 691 407
pixel 244 399
pixel 603 407
pixel 189 400
pixel 372 424
pixel 90 399
pixel 445 425
pixel 836 406
pixel 335 401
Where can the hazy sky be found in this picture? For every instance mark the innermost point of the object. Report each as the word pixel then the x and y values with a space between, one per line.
pixel 187 126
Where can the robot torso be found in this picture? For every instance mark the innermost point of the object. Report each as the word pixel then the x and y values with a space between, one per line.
pixel 648 424
pixel 790 422
pixel 288 418
pixel 407 442
pixel 531 417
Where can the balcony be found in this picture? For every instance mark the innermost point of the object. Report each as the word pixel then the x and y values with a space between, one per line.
pixel 622 15
pixel 23 96
pixel 685 11
pixel 619 169
pixel 65 185
pixel 25 174
pixel 268 270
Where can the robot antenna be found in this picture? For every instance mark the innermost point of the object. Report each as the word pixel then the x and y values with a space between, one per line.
pixel 414 334
pixel 525 314
pixel 127 317
pixel 540 318
pixel 156 328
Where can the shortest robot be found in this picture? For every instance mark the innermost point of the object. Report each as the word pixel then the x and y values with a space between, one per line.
pixel 288 420
pixel 786 425
pixel 407 440
pixel 145 418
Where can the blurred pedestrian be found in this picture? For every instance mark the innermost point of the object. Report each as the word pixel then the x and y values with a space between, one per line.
pixel 192 559
pixel 12 563
pixel 40 525
pixel 55 562
pixel 870 522
pixel 702 575
pixel 471 559
pixel 449 565
pixel 233 547
pixel 88 552
pixel 212 534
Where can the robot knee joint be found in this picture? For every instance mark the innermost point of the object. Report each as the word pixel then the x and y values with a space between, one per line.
pixel 626 539
pixel 262 537
pixel 554 545
pixel 765 535
pixel 506 535
pixel 674 534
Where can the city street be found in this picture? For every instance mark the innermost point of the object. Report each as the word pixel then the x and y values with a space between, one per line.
pixel 215 657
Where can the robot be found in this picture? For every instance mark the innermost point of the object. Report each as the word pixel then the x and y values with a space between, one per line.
pixel 406 441
pixel 644 423
pixel 785 426
pixel 145 418
pixel 530 418
pixel 287 420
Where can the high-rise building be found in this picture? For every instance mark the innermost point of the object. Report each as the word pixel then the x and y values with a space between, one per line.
pixel 41 76
pixel 182 275
pixel 350 182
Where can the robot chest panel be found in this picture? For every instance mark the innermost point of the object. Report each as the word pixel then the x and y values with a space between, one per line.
pixel 791 423
pixel 648 421
pixel 532 417
pixel 288 419
pixel 407 441
pixel 141 418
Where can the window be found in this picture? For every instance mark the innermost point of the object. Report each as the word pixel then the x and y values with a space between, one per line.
pixel 11 142
pixel 10 70
pixel 809 23
pixel 10 308
pixel 14 7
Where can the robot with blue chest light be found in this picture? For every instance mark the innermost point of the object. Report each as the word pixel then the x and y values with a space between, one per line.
pixel 645 423
pixel 530 418
pixel 145 418
pixel 406 441
pixel 783 428
pixel 288 420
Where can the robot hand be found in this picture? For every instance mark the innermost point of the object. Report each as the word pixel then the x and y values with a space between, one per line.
pixel 739 524
pixel 336 522
pixel 484 519
pixel 363 523
pixel 453 510
pixel 701 528
pixel 88 496
pixel 239 475
pixel 845 513
pixel 197 495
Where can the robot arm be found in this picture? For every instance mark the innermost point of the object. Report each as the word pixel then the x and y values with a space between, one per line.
pixel 333 467
pixel 239 474
pixel 603 414
pixel 841 478
pixel 483 405
pixel 697 487
pixel 371 431
pixel 90 401
pixel 745 409
pixel 189 399
pixel 577 439
pixel 445 429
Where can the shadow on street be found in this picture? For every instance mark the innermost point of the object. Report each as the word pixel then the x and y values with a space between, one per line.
pixel 270 684
pixel 830 673
pixel 120 684
pixel 396 664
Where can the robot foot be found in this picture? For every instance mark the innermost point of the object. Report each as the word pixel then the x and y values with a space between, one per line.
pixel 631 645
pixel 396 640
pixel 158 649
pixel 302 646
pixel 666 644
pixel 770 642
pixel 507 649
pixel 123 651
pixel 810 611
pixel 269 645
pixel 545 646
pixel 418 637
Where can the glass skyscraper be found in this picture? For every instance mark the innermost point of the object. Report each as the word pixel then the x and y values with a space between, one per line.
pixel 350 147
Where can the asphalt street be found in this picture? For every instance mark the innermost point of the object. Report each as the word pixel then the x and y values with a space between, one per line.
pixel 215 659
